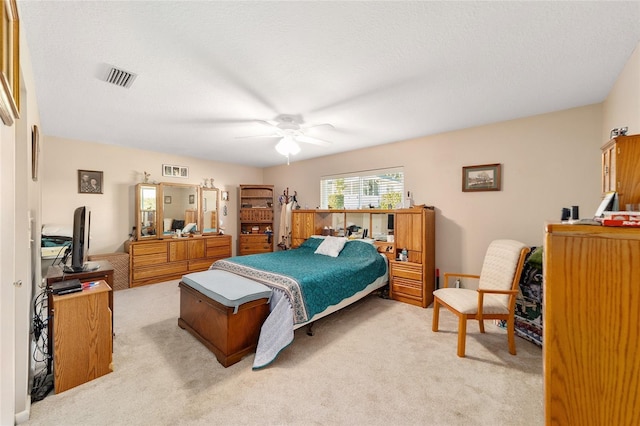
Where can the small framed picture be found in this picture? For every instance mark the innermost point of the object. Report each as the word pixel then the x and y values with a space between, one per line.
pixel 485 177
pixel 192 199
pixel 175 171
pixel 225 195
pixel 167 199
pixel 89 182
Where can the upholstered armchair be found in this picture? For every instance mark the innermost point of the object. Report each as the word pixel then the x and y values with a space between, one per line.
pixel 495 297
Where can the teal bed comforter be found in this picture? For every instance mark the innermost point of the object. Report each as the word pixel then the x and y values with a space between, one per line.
pixel 313 282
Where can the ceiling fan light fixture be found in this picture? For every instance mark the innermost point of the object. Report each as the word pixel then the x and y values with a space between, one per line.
pixel 287 146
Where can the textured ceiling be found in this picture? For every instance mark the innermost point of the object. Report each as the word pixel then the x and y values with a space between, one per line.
pixel 379 72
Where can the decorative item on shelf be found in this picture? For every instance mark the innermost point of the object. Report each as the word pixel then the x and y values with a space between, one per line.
pixel 205 183
pixel 618 131
pixel 211 180
pixel 146 177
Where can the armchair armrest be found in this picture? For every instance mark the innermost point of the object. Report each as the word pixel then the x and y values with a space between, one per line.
pixel 457 275
pixel 482 291
pixel 488 290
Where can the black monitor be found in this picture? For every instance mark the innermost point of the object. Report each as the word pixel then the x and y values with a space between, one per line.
pixel 80 241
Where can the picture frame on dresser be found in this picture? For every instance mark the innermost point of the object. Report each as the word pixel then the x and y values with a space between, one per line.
pixel 484 177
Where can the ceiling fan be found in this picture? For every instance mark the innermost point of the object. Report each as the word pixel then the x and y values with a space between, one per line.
pixel 288 128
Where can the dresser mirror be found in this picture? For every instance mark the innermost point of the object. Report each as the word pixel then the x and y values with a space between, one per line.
pixel 209 210
pixel 179 208
pixel 147 211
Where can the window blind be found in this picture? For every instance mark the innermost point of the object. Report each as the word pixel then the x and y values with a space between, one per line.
pixel 380 188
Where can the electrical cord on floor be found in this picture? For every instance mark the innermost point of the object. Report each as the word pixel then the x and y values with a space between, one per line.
pixel 43 378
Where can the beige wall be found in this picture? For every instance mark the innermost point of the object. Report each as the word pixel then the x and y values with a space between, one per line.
pixel 112 212
pixel 622 106
pixel 548 161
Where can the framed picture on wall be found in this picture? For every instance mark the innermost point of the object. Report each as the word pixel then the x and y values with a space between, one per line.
pixel 9 62
pixel 225 195
pixel 35 152
pixel 175 171
pixel 90 182
pixel 485 177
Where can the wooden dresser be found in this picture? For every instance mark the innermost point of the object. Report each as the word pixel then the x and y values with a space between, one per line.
pixel 591 325
pixel 153 261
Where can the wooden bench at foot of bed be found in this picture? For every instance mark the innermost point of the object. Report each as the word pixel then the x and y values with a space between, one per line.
pixel 230 332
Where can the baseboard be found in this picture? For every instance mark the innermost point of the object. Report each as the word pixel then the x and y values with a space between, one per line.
pixel 23 416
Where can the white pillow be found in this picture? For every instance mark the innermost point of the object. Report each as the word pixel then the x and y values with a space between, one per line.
pixel 331 246
pixel 167 224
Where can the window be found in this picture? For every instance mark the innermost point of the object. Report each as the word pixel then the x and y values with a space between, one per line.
pixel 382 188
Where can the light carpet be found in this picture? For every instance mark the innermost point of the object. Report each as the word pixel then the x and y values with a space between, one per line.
pixel 376 362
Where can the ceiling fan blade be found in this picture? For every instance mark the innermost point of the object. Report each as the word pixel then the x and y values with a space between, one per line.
pixel 266 123
pixel 314 141
pixel 258 136
pixel 315 126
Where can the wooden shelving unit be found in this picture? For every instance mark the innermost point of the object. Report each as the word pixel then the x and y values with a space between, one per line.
pixel 256 219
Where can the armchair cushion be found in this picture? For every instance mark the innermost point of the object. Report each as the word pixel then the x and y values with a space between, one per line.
pixel 499 266
pixel 465 301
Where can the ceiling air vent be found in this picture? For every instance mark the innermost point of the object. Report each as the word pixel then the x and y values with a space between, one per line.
pixel 120 77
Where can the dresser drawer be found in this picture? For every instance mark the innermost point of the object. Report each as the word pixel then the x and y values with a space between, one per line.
pixel 411 271
pixel 406 287
pixel 253 238
pixel 219 252
pixel 255 243
pixel 149 259
pixel 222 241
pixel 150 248
pixel 159 270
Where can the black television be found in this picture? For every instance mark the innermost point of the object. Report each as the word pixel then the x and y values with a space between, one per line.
pixel 80 241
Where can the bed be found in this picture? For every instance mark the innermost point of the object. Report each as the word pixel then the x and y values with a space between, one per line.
pixel 307 285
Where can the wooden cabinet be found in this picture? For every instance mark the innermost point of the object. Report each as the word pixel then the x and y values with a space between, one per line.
pixel 620 171
pixel 153 261
pixel 82 336
pixel 256 219
pixel 591 325
pixel 302 226
pixel 413 229
pixel 413 281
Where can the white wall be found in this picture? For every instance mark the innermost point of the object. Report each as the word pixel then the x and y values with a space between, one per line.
pixel 548 162
pixel 19 207
pixel 622 106
pixel 112 212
